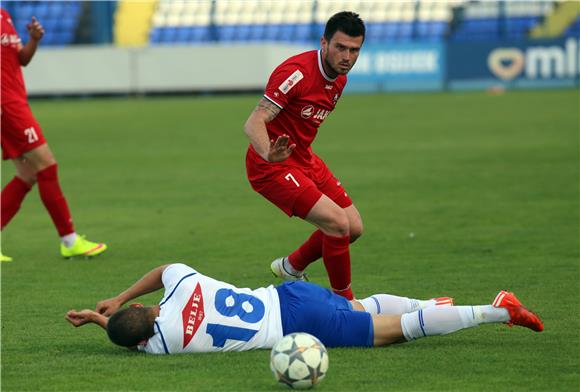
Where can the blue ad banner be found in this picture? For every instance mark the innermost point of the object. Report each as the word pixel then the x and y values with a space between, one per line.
pixel 521 64
pixel 399 67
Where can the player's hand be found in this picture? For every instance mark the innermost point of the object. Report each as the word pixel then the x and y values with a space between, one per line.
pixel 79 318
pixel 35 29
pixel 109 306
pixel 279 149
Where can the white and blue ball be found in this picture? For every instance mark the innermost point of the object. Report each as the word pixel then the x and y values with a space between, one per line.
pixel 299 360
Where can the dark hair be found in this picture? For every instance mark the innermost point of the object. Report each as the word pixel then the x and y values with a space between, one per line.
pixel 348 22
pixel 127 327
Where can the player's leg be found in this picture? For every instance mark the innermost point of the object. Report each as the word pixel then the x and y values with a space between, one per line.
pixel 443 320
pixel 311 249
pixel 24 142
pixel 339 223
pixel 307 307
pixel 355 223
pixel 328 184
pixel 334 228
pixel 42 160
pixel 307 253
pixel 20 133
pixel 16 190
pixel 393 304
pixel 333 222
pixel 387 330
pixel 294 192
pixel 14 193
pixel 46 167
pixel 283 186
pixel 331 237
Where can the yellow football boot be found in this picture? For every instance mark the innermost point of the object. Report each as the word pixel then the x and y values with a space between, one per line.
pixel 4 258
pixel 82 247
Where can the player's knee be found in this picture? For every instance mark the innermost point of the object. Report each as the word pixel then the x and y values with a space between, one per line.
pixel 340 225
pixel 45 164
pixel 26 174
pixel 30 179
pixel 40 158
pixel 356 230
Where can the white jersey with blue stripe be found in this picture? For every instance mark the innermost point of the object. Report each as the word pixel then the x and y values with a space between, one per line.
pixel 201 314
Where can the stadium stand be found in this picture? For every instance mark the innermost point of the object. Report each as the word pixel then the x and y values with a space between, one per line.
pixel 194 22
pixel 574 29
pixel 59 18
pixel 522 17
pixel 179 22
pixel 266 21
pixel 557 22
pixel 491 21
pixel 231 21
pixel 433 20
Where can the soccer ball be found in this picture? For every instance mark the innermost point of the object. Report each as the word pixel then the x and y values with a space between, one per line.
pixel 299 360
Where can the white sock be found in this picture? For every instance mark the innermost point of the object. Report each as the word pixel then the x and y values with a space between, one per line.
pixel 442 320
pixel 288 267
pixel 392 304
pixel 489 314
pixel 69 239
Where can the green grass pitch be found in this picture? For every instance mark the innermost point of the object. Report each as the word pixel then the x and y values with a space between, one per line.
pixel 461 195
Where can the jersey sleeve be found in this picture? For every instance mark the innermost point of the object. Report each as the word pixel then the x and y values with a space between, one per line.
pixel 284 84
pixel 173 274
pixel 10 29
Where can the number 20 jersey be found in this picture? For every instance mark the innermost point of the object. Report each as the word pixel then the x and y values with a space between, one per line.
pixel 201 314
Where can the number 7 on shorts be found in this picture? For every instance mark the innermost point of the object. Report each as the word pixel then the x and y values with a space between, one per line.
pixel 290 177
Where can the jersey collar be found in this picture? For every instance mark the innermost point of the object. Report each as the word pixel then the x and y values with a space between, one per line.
pixel 321 68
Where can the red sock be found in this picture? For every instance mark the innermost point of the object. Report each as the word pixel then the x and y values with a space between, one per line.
pixel 54 200
pixel 12 196
pixel 309 252
pixel 336 256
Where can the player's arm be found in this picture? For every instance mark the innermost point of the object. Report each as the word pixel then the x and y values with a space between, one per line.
pixel 149 283
pixel 255 128
pixel 86 316
pixel 36 32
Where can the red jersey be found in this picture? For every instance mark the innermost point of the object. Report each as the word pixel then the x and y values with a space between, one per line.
pixel 13 89
pixel 300 87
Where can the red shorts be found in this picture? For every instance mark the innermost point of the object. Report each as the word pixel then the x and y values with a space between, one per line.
pixel 20 131
pixel 294 189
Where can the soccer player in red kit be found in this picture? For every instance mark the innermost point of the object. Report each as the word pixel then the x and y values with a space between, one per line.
pixel 281 166
pixel 24 143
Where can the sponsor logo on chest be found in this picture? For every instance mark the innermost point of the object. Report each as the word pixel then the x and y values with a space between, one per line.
pixel 192 315
pixel 319 115
pixel 307 111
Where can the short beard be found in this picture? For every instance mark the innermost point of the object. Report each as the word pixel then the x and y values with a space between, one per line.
pixel 336 73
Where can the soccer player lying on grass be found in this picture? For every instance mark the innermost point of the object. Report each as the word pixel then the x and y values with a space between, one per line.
pixel 201 314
